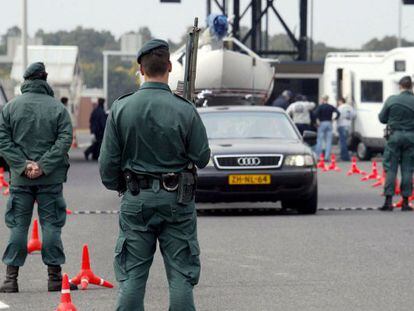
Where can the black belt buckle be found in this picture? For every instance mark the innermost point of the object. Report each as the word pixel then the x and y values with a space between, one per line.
pixel 170 181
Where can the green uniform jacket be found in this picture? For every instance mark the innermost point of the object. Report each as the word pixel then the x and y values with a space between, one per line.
pixel 398 112
pixel 35 126
pixel 152 131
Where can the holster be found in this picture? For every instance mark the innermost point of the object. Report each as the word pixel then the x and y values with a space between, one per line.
pixel 132 183
pixel 387 132
pixel 187 184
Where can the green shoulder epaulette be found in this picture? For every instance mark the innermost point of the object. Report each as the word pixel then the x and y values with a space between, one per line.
pixel 184 99
pixel 125 95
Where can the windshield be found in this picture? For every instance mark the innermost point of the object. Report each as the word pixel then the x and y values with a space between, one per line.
pixel 248 124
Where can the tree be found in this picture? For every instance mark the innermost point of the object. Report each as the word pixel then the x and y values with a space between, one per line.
pixel 385 44
pixel 146 34
pixel 91 44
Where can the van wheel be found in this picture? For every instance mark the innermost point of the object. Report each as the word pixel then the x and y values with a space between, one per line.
pixel 363 152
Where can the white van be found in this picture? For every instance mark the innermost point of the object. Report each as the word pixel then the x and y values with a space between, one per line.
pixel 366 79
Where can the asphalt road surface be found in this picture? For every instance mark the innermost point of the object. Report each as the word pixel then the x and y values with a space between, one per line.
pixel 347 257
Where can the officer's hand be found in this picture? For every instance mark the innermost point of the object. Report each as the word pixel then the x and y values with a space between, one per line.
pixel 30 166
pixel 33 170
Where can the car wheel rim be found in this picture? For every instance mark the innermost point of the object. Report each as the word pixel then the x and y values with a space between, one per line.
pixel 362 150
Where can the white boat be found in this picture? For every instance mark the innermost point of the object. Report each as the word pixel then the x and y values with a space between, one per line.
pixel 228 72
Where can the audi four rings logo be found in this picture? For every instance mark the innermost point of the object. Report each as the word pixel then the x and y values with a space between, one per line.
pixel 248 161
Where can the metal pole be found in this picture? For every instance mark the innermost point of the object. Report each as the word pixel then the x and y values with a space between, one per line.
pixel 303 37
pixel 208 7
pixel 105 76
pixel 399 23
pixel 236 22
pixel 24 35
pixel 267 31
pixel 311 31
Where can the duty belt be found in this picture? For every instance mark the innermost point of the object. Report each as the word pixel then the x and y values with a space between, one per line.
pixel 168 181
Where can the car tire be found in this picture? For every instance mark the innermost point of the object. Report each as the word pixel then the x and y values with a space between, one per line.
pixel 363 151
pixel 307 206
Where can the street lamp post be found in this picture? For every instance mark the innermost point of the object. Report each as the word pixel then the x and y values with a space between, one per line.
pixel 399 22
pixel 24 35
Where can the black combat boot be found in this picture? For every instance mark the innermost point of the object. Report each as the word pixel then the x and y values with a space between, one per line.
pixel 387 204
pixel 54 283
pixel 10 283
pixel 406 205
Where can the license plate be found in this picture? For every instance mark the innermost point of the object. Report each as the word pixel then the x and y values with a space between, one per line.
pixel 249 179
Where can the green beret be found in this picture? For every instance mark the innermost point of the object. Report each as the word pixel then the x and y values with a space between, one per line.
pixel 151 45
pixel 34 70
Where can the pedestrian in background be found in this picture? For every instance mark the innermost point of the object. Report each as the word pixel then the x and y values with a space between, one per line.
pixel 283 100
pixel 97 123
pixel 300 112
pixel 398 115
pixel 152 141
pixel 344 124
pixel 35 137
pixel 64 101
pixel 324 115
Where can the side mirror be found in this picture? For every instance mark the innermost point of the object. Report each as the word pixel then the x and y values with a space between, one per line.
pixel 310 137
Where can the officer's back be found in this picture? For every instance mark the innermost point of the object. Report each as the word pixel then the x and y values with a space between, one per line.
pixel 155 126
pixel 399 112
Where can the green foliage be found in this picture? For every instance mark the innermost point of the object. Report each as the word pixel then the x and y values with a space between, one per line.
pixel 91 43
pixel 11 32
pixel 385 44
pixel 121 79
pixel 5 70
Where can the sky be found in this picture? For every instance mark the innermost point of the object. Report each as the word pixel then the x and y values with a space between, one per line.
pixel 340 23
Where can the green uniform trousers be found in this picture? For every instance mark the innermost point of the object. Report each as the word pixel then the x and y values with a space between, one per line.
pixel 155 215
pixel 52 216
pixel 399 150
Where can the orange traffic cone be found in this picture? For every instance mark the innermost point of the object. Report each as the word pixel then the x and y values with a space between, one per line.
pixel 397 187
pixel 74 140
pixel 34 243
pixel 3 182
pixel 6 192
pixel 354 168
pixel 321 163
pixel 65 299
pixel 400 202
pixel 86 275
pixel 380 180
pixel 333 166
pixel 374 173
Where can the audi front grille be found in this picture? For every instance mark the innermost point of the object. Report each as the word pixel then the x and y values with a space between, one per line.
pixel 248 161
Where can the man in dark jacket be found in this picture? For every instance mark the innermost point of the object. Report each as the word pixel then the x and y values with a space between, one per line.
pixel 97 123
pixel 324 115
pixel 35 137
pixel 283 101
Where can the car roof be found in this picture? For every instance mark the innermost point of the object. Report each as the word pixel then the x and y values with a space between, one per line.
pixel 241 108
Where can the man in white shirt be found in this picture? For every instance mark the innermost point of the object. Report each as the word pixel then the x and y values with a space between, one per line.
pixel 300 112
pixel 344 124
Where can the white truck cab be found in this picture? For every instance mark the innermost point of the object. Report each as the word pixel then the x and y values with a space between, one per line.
pixel 366 80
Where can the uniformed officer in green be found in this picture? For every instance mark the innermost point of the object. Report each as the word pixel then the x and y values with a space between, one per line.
pixel 398 114
pixel 35 137
pixel 153 138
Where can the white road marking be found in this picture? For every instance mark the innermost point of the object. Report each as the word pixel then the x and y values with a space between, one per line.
pixel 3 306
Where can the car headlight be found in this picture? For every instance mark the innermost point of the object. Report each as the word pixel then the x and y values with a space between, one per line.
pixel 299 160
